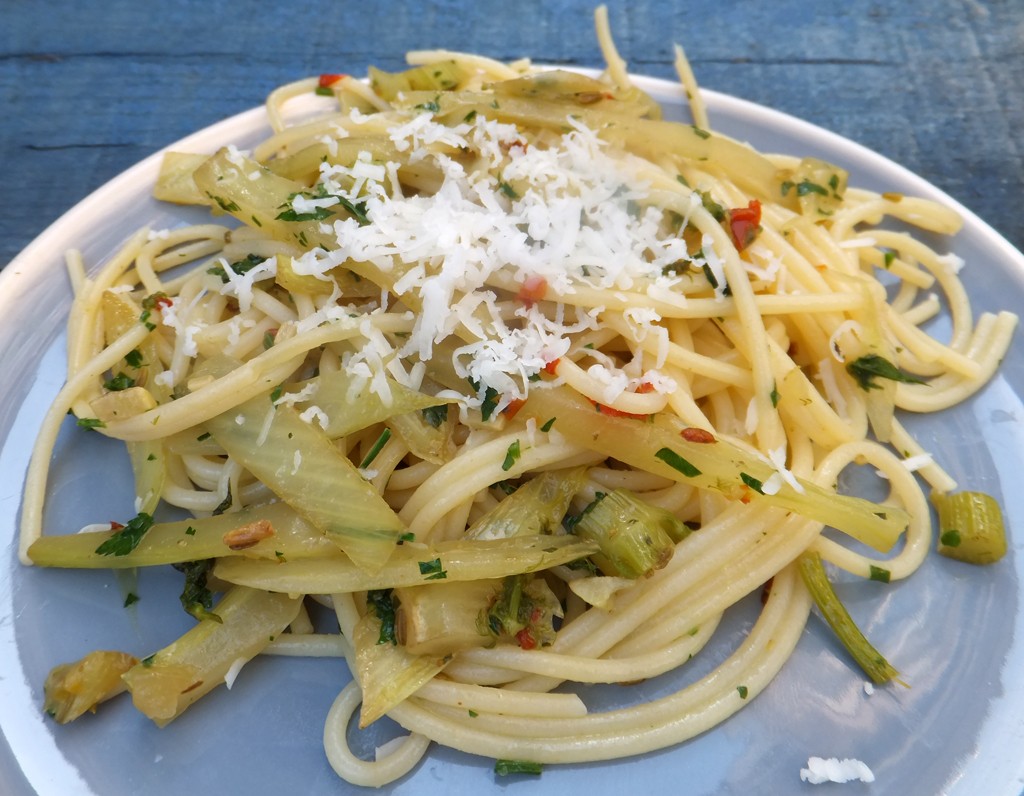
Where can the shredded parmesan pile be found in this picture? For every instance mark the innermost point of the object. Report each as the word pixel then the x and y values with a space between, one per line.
pixel 562 215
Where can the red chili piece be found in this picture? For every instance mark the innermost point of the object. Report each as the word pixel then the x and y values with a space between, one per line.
pixel 327 81
pixel 513 407
pixel 613 412
pixel 552 366
pixel 532 290
pixel 744 224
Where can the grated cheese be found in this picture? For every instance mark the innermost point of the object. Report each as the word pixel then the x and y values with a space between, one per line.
pixel 821 770
pixel 568 213
pixel 233 670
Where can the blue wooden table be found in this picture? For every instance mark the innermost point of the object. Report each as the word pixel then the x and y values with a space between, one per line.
pixel 88 89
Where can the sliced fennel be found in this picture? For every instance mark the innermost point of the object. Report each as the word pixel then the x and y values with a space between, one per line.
pixel 167 682
pixel 658 446
pixel 410 565
pixel 301 465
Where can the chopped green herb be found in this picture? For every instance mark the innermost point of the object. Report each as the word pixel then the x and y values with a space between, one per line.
pixel 144 319
pixel 742 689
pixel 225 205
pixel 548 424
pixel 469 117
pixel 435 415
pixel 787 186
pixel 752 482
pixel 716 210
pixel 276 393
pixel 324 91
pixel 268 341
pixel 511 456
pixel 224 505
pixel 432 570
pixel 382 604
pixel 121 381
pixel 382 440
pixel 148 661
pixel 203 437
pixel 239 267
pixel 710 275
pixel 473 714
pixel 151 457
pixel 127 538
pixel 134 358
pixel 950 538
pixel 130 599
pixel 879 574
pixel 408 536
pixel 508 190
pixel 700 133
pixel 490 400
pixel 888 257
pixel 90 422
pixel 871 366
pixel 431 107
pixel 682 180
pixel 505 767
pixel 196 598
pixel 190 531
pixel 677 462
pixel 774 396
pixel 806 186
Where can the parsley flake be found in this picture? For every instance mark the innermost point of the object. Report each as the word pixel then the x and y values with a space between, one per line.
pixel 677 462
pixel 127 538
pixel 511 456
pixel 432 570
pixel 872 366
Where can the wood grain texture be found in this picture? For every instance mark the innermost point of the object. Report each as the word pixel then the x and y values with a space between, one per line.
pixel 87 90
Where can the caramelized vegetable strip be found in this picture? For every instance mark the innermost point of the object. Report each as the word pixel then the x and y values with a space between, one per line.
pixel 167 682
pixel 410 565
pixel 71 689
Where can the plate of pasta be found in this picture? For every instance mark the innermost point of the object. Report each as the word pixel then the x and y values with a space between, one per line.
pixel 487 425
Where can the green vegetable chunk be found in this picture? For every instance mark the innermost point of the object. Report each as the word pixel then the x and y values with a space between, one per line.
pixel 971 527
pixel 867 657
pixel 632 534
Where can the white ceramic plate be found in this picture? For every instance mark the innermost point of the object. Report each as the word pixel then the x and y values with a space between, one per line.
pixel 956 632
